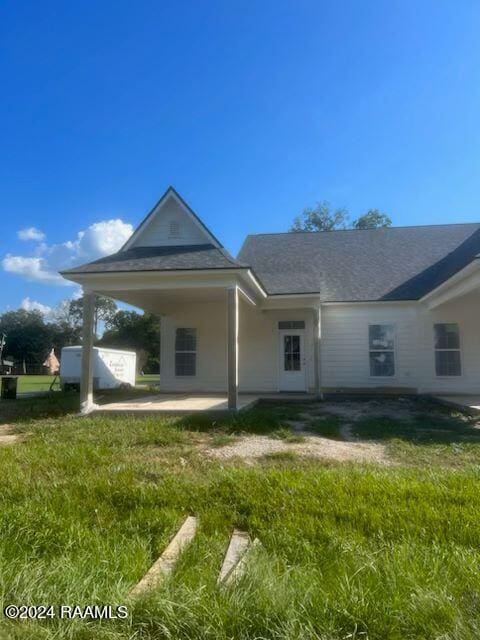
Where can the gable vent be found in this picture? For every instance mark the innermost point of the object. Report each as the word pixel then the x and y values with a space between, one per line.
pixel 174 229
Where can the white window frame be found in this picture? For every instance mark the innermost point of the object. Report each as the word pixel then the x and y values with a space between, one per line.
pixel 194 351
pixel 460 351
pixel 394 350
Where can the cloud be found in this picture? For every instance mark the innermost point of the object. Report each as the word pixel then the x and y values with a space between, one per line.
pixel 33 305
pixel 31 269
pixel 31 233
pixel 99 239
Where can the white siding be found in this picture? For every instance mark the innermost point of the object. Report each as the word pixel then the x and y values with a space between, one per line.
pixel 258 347
pixel 157 232
pixel 345 350
pixel 259 354
pixel 466 312
pixel 344 345
pixel 210 321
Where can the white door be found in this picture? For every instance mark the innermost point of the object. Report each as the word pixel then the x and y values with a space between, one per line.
pixel 292 361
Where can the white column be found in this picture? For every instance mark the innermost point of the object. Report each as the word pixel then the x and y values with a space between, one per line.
pixel 86 380
pixel 232 347
pixel 317 328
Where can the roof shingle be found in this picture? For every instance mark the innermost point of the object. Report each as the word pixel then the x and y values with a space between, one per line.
pixel 185 257
pixel 395 263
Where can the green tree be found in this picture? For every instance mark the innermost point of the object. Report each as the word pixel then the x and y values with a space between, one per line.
pixel 29 339
pixel 139 332
pixel 371 219
pixel 105 310
pixel 321 218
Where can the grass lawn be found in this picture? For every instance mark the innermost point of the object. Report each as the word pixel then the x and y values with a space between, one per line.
pixel 348 550
pixel 28 384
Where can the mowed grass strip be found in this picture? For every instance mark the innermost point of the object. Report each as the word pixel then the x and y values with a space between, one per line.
pixel 87 504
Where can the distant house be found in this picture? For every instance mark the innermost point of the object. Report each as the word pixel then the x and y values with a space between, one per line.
pixel 391 309
pixel 52 363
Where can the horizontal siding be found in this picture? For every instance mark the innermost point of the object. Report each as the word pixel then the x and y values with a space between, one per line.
pixel 157 233
pixel 345 350
pixel 258 347
pixel 466 312
pixel 344 346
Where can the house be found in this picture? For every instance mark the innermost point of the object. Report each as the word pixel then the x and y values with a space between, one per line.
pixel 389 309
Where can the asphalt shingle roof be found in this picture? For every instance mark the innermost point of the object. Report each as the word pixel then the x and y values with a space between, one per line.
pixel 186 257
pixel 396 263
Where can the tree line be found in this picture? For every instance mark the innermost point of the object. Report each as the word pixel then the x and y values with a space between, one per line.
pixel 30 336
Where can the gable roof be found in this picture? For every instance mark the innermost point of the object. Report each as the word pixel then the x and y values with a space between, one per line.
pixel 170 192
pixel 165 258
pixel 395 263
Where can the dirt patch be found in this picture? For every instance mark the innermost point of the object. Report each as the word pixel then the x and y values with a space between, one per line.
pixel 250 448
pixel 7 437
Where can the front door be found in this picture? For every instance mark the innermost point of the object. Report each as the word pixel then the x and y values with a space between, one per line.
pixel 292 361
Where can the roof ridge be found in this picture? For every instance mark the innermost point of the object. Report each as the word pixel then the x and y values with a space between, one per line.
pixel 405 226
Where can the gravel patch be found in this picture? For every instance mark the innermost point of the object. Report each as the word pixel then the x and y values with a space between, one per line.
pixel 251 447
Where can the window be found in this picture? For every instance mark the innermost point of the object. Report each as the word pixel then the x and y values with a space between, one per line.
pixel 447 349
pixel 381 340
pixel 291 324
pixel 185 352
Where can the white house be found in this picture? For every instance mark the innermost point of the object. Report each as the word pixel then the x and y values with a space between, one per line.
pixel 392 309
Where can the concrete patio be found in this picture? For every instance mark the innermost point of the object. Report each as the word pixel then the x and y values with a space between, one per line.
pixel 193 403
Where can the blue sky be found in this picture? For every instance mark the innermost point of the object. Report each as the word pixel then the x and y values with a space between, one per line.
pixel 252 110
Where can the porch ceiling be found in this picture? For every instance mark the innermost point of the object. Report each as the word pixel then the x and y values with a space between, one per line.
pixel 162 301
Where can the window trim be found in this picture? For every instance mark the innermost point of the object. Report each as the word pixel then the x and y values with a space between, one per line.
pixel 460 351
pixel 175 351
pixel 394 350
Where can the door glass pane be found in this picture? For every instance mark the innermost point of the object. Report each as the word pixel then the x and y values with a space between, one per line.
pixel 291 353
pixel 296 361
pixel 295 344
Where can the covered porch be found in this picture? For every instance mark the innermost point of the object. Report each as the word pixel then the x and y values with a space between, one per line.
pixel 236 351
pixel 165 294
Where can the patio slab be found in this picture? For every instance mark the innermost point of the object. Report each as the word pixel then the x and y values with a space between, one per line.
pixel 193 403
pixel 178 403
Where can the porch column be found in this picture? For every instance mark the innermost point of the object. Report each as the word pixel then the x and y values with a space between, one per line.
pixel 316 350
pixel 86 378
pixel 232 347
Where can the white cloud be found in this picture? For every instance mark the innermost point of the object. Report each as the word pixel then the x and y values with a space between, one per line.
pixel 33 305
pixel 31 269
pixel 31 233
pixel 99 239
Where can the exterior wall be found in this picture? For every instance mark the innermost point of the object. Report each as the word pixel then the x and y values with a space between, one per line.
pixel 466 312
pixel 210 321
pixel 344 345
pixel 344 348
pixel 259 351
pixel 258 347
pixel 157 233
pixel 343 352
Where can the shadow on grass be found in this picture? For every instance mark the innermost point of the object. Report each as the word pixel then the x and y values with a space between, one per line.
pixel 421 429
pixel 260 420
pixel 49 405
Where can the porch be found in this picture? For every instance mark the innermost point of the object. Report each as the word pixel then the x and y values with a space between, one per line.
pixel 183 403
